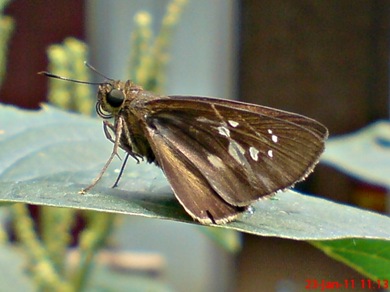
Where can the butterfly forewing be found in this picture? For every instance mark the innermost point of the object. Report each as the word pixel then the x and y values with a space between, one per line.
pixel 242 154
pixel 233 105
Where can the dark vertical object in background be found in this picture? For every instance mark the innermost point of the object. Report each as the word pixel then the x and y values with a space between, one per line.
pixel 38 25
pixel 324 59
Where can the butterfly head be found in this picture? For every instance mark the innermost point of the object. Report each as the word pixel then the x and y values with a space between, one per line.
pixel 113 95
pixel 110 99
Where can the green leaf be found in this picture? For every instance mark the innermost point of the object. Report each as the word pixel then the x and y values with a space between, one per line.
pixel 364 155
pixel 369 257
pixel 48 156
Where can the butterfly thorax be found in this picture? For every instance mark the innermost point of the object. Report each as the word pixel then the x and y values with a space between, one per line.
pixel 134 136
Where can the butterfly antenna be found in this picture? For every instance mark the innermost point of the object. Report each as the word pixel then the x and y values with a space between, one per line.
pixel 51 75
pixel 97 72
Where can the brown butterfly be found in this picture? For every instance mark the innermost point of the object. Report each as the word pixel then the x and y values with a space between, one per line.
pixel 218 155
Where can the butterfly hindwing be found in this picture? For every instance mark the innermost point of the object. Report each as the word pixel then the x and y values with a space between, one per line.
pixel 189 185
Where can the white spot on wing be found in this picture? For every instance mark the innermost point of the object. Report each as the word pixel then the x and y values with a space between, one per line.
pixel 269 131
pixel 254 153
pixel 270 153
pixel 274 138
pixel 215 161
pixel 224 131
pixel 233 123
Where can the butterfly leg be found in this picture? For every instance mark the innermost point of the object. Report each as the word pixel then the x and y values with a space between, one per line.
pixel 121 171
pixel 107 126
pixel 126 140
pixel 118 133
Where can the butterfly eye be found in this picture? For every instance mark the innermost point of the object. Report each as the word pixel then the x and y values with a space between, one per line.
pixel 115 98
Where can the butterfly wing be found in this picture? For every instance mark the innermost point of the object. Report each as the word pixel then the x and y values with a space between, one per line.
pixel 190 187
pixel 233 152
pixel 303 121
